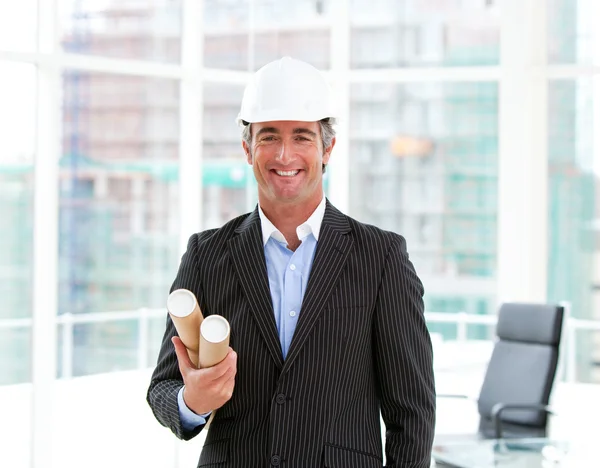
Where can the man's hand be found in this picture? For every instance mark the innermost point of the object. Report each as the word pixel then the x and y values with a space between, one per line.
pixel 206 389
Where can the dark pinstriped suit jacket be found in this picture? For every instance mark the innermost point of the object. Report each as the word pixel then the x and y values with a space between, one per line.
pixel 360 345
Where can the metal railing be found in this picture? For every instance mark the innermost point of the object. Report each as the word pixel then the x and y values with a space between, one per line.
pixel 567 367
pixel 462 320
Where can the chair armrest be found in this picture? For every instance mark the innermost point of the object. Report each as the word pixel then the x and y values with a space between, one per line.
pixel 498 408
pixel 452 395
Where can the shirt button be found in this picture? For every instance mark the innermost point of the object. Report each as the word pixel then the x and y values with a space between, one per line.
pixel 275 460
pixel 292 267
pixel 280 399
pixel 293 313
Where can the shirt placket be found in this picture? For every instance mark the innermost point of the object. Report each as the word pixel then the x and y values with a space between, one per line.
pixel 292 295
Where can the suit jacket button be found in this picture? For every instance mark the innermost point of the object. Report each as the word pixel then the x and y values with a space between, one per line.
pixel 280 398
pixel 275 460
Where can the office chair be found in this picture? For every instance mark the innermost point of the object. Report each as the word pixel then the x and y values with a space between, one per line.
pixel 514 397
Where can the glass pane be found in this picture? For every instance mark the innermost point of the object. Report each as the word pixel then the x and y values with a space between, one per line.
pixel 16 209
pixel 586 354
pixel 572 207
pixel 247 34
pixel 424 164
pixel 571 26
pixel 18 25
pixel 97 348
pixel 118 225
pixel 229 188
pixel 156 330
pixel 226 34
pixel 310 44
pixel 17 147
pixel 400 33
pixel 129 29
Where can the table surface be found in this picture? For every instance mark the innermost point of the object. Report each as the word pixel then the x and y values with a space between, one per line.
pixel 514 453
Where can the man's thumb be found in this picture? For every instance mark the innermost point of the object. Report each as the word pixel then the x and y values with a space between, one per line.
pixel 185 363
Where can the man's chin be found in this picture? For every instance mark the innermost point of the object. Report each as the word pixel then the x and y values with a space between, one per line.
pixel 288 198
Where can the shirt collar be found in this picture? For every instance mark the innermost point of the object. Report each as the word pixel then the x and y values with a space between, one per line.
pixel 311 225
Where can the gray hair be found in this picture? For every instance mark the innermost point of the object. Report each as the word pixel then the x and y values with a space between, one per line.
pixel 327 134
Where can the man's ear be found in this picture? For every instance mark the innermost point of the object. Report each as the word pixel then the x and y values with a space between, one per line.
pixel 327 152
pixel 247 151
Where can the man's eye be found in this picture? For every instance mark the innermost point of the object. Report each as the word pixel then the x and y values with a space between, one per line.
pixel 268 138
pixel 301 138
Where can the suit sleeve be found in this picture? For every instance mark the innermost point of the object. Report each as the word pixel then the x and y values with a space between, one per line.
pixel 404 363
pixel 166 379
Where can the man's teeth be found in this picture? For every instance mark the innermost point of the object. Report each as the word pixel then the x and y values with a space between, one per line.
pixel 287 173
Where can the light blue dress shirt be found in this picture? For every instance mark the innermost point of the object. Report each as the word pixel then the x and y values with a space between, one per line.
pixel 288 273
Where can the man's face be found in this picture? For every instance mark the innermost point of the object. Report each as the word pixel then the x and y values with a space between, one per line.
pixel 287 158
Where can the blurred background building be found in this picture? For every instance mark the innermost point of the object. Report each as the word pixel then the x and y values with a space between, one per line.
pixel 421 140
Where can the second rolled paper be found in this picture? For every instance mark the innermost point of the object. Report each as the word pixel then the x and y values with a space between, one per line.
pixel 214 340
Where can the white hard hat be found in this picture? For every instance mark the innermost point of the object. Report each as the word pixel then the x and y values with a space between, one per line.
pixel 287 89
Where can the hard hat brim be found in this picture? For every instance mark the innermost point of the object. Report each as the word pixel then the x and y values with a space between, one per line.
pixel 275 116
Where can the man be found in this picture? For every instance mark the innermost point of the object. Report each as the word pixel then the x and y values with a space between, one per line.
pixel 326 313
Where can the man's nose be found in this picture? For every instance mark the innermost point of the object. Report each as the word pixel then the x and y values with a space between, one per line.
pixel 284 152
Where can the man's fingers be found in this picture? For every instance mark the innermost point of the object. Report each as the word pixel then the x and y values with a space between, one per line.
pixel 219 370
pixel 185 363
pixel 230 382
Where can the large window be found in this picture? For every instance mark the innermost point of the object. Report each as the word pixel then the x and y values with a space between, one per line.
pixel 125 110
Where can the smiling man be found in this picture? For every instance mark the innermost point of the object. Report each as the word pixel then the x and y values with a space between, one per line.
pixel 288 158
pixel 326 313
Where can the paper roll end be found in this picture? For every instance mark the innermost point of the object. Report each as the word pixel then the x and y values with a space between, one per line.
pixel 214 329
pixel 181 303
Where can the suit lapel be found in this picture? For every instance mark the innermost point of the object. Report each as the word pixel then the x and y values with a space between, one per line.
pixel 332 252
pixel 248 257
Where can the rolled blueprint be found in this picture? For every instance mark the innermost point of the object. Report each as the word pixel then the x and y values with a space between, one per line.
pixel 214 340
pixel 214 345
pixel 187 317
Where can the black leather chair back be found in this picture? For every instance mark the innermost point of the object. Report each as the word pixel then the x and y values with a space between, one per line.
pixel 522 367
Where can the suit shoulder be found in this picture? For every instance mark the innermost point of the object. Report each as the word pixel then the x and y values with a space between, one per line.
pixel 371 234
pixel 217 237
